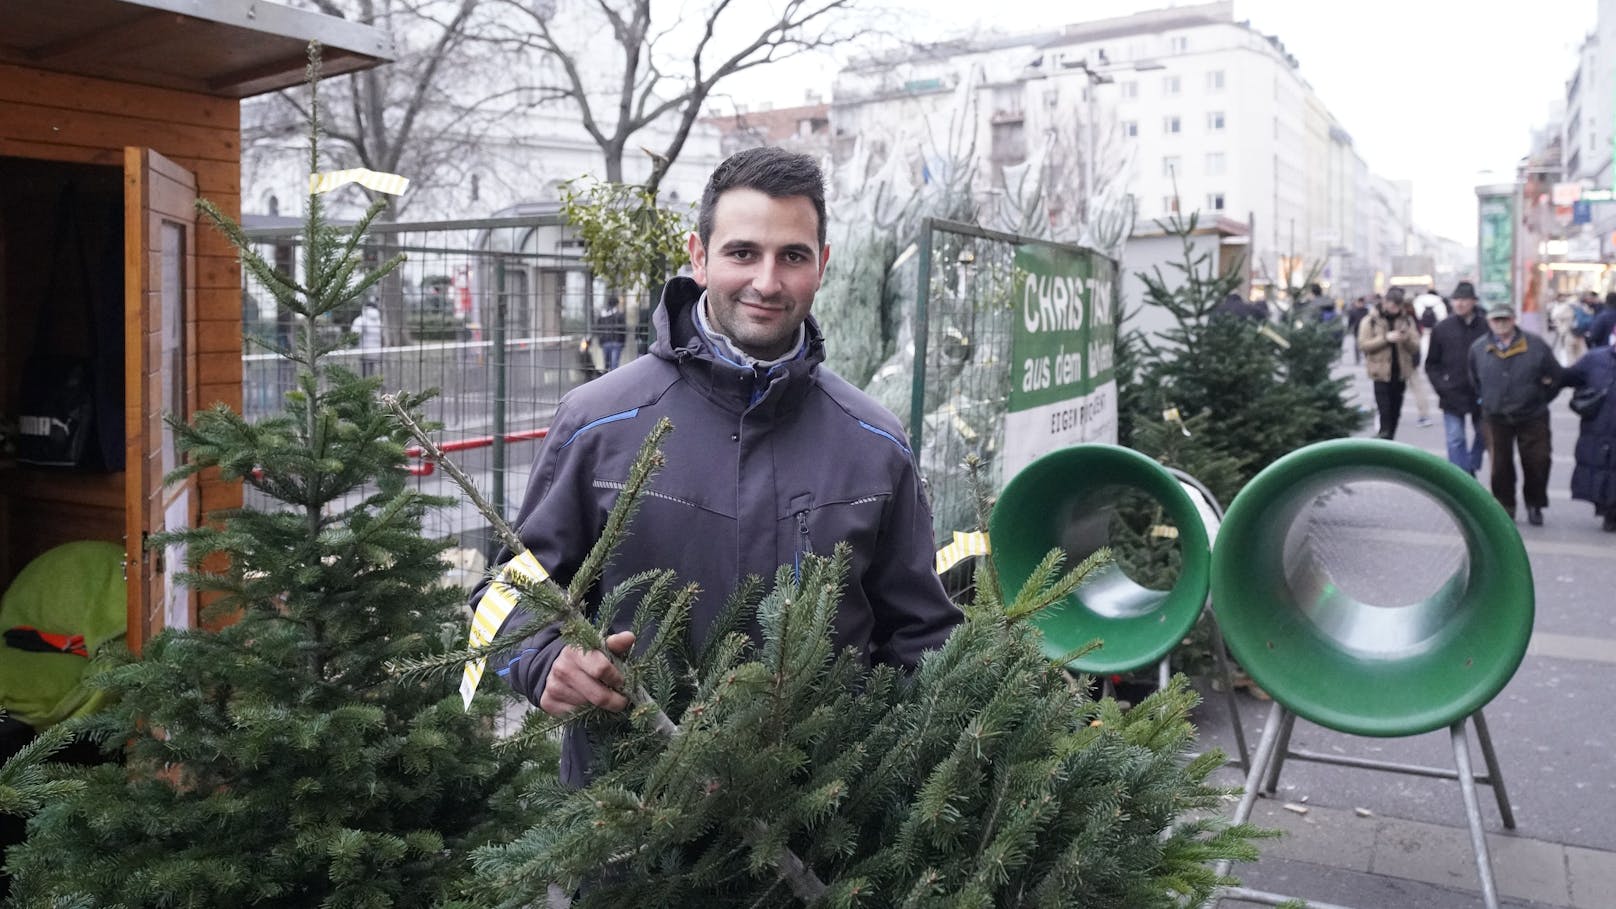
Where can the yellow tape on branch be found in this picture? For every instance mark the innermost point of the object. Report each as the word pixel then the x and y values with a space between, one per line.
pixel 492 610
pixel 392 184
pixel 964 546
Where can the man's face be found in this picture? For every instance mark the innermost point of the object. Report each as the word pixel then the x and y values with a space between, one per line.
pixel 1590 299
pixel 1502 326
pixel 1463 306
pixel 761 267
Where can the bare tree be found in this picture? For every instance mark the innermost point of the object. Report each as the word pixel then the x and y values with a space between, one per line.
pixel 650 80
pixel 425 115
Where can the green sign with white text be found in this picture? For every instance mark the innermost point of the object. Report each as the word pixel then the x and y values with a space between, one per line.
pixel 1496 246
pixel 1063 388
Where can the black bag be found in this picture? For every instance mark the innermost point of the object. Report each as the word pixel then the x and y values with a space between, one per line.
pixel 57 399
pixel 1586 402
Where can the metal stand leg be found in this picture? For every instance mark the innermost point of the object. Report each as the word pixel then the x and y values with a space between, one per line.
pixel 1221 654
pixel 1279 753
pixel 1494 775
pixel 1164 674
pixel 1254 774
pixel 1478 836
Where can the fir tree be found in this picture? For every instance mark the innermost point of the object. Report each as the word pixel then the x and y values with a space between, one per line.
pixel 26 786
pixel 783 772
pixel 277 761
pixel 1266 390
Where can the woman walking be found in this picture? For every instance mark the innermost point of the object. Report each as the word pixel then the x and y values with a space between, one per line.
pixel 1390 342
pixel 1594 478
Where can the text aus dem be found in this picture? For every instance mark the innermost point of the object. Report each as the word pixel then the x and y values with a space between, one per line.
pixel 1065 304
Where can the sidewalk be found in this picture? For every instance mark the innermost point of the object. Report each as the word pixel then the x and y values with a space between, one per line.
pixel 1374 840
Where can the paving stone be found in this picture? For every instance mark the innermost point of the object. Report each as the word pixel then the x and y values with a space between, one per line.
pixel 1593 877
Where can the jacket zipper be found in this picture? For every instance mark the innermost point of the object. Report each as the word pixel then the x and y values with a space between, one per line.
pixel 805 543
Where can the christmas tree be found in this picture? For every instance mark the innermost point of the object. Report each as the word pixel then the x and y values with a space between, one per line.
pixel 1264 390
pixel 277 761
pixel 780 772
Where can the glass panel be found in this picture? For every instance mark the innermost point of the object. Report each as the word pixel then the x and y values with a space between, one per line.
pixel 172 362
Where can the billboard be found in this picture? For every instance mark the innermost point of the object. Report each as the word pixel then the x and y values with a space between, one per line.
pixel 1496 245
pixel 1063 388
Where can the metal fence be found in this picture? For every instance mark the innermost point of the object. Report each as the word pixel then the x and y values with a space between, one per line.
pixel 493 314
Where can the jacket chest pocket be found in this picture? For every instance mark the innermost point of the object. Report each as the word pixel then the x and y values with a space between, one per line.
pixel 816 527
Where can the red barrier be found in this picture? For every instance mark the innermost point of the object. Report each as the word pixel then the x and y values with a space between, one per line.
pixel 426 468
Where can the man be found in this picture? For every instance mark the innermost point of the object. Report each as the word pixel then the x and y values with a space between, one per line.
pixel 1389 342
pixel 368 327
pixel 611 328
pixel 1604 324
pixel 1355 316
pixel 1516 376
pixel 772 455
pixel 1447 363
pixel 1429 308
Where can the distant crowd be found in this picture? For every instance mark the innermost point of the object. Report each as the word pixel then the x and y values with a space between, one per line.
pixel 1493 381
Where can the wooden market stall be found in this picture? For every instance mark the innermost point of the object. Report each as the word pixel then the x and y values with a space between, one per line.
pixel 114 116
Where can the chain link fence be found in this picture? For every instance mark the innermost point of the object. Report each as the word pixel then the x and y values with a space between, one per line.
pixel 497 315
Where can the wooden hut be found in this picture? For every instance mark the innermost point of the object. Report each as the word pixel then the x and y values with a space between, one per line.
pixel 114 116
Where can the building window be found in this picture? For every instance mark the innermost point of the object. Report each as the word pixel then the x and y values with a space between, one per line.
pixel 1214 201
pixel 1172 125
pixel 1130 128
pixel 1171 165
pixel 1171 85
pixel 1178 44
pixel 1214 80
pixel 1214 164
pixel 1130 89
pixel 1214 121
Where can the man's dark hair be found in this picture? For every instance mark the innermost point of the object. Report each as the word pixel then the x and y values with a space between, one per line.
pixel 1610 299
pixel 774 172
pixel 1315 290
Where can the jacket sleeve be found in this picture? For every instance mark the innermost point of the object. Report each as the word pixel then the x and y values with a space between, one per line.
pixel 1435 354
pixel 556 524
pixel 913 613
pixel 1370 340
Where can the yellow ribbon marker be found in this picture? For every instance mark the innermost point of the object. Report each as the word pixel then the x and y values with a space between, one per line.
pixel 1267 331
pixel 964 546
pixel 392 184
pixel 492 610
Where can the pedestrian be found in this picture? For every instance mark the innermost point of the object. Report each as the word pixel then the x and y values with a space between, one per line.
pixel 1603 325
pixel 1389 342
pixel 1594 478
pixel 1236 306
pixel 1516 376
pixel 1447 365
pixel 1355 316
pixel 1429 309
pixel 746 486
pixel 367 326
pixel 611 330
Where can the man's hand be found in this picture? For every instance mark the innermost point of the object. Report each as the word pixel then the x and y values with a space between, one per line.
pixel 579 678
pixel 1394 336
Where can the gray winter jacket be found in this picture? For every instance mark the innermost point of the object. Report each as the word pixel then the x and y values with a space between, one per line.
pixel 1516 384
pixel 761 468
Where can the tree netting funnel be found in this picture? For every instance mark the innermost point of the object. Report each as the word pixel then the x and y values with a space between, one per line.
pixel 1079 499
pixel 1372 588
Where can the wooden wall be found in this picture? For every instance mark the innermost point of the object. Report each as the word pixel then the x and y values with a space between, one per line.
pixel 56 117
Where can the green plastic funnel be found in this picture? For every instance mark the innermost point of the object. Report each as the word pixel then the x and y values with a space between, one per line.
pixel 1372 588
pixel 1076 499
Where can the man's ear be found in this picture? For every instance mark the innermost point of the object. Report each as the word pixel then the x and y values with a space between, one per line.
pixel 698 258
pixel 824 260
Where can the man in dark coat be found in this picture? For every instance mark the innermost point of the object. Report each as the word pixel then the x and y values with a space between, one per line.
pixel 1447 363
pixel 747 484
pixel 1594 478
pixel 1516 376
pixel 1604 324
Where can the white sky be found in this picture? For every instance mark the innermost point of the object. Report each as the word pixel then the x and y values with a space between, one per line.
pixel 1435 91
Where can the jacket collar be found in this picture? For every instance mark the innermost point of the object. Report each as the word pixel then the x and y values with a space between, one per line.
pixel 1517 346
pixel 733 385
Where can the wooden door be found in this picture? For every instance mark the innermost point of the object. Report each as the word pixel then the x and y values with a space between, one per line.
pixel 160 379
